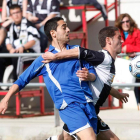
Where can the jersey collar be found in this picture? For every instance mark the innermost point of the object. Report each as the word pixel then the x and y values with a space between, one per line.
pixel 109 54
pixel 52 48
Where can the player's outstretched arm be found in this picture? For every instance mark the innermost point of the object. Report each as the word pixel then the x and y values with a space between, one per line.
pixel 4 102
pixel 123 97
pixel 72 53
pixel 34 70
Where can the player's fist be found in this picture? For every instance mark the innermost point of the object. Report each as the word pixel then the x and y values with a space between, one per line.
pixel 48 57
pixel 3 106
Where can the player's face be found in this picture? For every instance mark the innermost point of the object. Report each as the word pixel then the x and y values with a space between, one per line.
pixel 16 15
pixel 117 42
pixel 125 24
pixel 62 32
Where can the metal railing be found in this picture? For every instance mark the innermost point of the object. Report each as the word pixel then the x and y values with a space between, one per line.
pixel 39 54
pixel 125 54
pixel 43 85
pixel 20 54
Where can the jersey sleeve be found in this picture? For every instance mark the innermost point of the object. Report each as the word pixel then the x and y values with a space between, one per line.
pixel 34 70
pixel 93 57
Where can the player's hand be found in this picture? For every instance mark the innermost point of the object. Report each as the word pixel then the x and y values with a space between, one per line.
pixel 123 97
pixel 84 75
pixel 3 106
pixel 48 57
pixel 20 50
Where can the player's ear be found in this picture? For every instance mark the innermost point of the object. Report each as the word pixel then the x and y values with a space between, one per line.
pixel 108 40
pixel 53 33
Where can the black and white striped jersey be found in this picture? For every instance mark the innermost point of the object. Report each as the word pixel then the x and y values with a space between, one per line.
pixel 105 69
pixel 19 35
pixel 42 8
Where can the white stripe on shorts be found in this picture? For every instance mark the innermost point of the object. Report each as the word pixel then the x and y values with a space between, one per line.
pixel 80 129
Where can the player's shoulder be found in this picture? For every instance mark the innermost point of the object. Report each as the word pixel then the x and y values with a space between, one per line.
pixel 103 51
pixel 100 53
pixel 73 46
pixel 38 60
pixel 38 64
pixel 107 56
pixel 106 53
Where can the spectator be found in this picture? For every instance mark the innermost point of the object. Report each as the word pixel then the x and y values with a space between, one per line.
pixel 131 37
pixel 6 4
pixel 22 37
pixel 39 12
pixel 5 10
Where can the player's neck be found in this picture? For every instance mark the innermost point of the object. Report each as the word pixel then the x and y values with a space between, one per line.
pixel 59 45
pixel 112 53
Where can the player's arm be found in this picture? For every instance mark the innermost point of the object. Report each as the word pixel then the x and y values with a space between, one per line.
pixel 94 57
pixel 72 53
pixel 123 97
pixel 34 70
pixel 4 102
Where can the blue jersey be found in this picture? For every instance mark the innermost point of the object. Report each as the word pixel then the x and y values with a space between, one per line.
pixel 60 79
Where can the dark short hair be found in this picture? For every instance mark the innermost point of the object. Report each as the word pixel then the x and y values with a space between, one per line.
pixel 106 32
pixel 15 6
pixel 51 25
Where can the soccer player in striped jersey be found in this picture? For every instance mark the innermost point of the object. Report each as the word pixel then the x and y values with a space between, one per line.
pixel 103 61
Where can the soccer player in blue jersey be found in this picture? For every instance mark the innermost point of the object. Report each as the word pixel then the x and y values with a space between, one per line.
pixel 103 62
pixel 71 96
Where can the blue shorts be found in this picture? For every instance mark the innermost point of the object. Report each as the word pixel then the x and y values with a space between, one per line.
pixel 79 117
